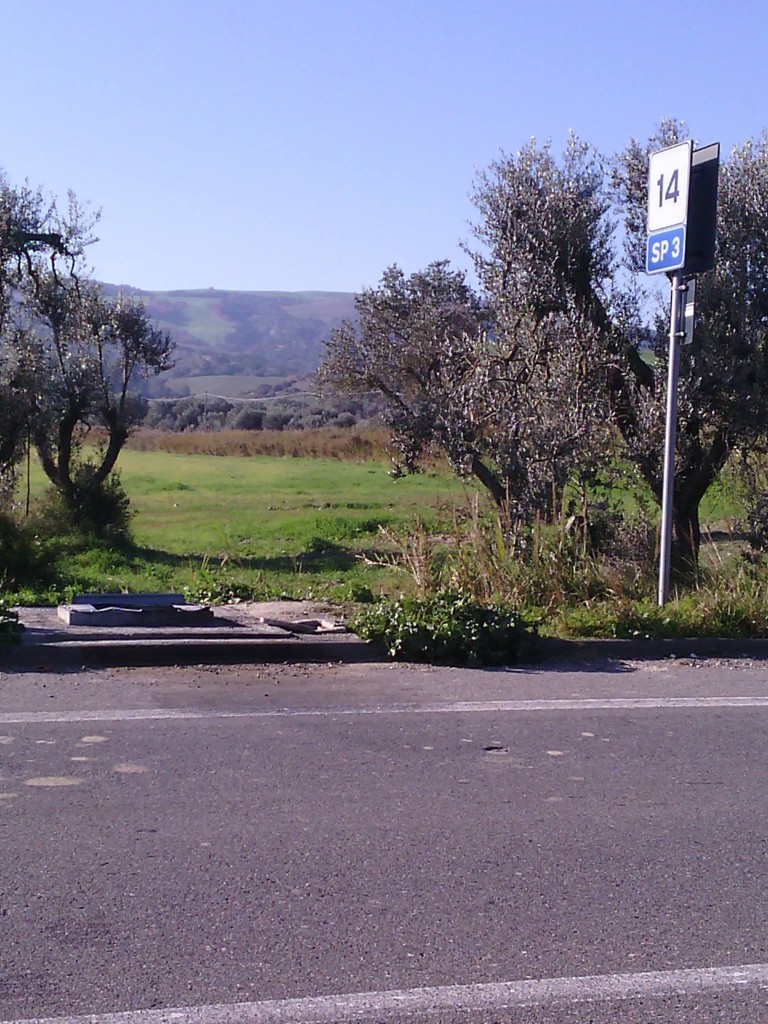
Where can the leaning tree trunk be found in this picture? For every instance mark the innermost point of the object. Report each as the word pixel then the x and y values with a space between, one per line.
pixel 691 484
pixel 701 466
pixel 118 435
pixel 686 536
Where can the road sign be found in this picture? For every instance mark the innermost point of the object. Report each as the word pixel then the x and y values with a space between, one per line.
pixel 679 178
pixel 668 182
pixel 665 250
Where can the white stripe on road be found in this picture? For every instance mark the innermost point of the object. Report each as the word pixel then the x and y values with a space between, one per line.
pixel 413 1002
pixel 448 707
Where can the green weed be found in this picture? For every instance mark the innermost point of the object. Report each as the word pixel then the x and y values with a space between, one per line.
pixel 446 628
pixel 223 528
pixel 10 628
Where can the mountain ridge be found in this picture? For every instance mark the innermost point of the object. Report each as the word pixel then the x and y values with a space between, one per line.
pixel 230 333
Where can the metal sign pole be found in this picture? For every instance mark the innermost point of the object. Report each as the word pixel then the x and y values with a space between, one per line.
pixel 679 288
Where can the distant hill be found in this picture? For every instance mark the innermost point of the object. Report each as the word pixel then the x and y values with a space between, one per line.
pixel 232 339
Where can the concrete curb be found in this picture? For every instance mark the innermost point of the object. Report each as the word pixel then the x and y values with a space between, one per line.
pixel 178 651
pixel 279 633
pixel 641 649
pixel 233 636
pixel 241 649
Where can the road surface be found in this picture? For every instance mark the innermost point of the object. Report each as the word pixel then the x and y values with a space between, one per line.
pixel 385 843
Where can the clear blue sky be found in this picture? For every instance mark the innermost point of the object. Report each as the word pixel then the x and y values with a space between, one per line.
pixel 289 144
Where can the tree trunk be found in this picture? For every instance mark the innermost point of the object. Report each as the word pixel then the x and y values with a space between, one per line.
pixel 490 481
pixel 692 483
pixel 686 536
pixel 117 438
pixel 55 455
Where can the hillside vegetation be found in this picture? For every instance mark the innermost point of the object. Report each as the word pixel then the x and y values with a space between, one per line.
pixel 227 339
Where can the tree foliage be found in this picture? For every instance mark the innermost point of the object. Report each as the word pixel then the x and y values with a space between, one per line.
pixel 85 352
pixel 544 262
pixel 534 380
pixel 33 235
pixel 69 355
pixel 483 378
pixel 723 389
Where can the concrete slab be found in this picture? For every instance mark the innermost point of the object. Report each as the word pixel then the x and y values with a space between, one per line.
pixel 180 615
pixel 142 600
pixel 235 634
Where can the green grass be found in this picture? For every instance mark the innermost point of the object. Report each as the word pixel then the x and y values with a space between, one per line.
pixel 263 506
pixel 220 527
pixel 724 501
pixel 292 526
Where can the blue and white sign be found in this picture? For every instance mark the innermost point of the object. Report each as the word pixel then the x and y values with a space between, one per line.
pixel 665 251
pixel 669 176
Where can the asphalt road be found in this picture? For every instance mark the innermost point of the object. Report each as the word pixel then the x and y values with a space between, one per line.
pixel 582 843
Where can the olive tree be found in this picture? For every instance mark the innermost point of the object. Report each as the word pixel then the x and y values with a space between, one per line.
pixel 723 386
pixel 81 354
pixel 549 372
pixel 508 384
pixel 417 340
pixel 33 234
pixel 544 259
pixel 71 358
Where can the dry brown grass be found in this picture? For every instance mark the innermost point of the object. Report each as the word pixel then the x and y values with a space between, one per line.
pixel 348 444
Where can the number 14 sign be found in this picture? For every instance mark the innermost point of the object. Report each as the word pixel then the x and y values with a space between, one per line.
pixel 668 184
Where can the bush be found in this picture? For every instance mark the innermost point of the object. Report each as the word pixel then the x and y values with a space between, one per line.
pixel 447 628
pixel 99 510
pixel 19 555
pixel 10 627
pixel 248 419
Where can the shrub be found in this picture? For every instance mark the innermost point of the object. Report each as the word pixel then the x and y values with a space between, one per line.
pixel 19 555
pixel 248 419
pixel 446 628
pixel 99 510
pixel 10 627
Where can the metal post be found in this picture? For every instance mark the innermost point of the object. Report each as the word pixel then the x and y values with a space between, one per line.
pixel 679 287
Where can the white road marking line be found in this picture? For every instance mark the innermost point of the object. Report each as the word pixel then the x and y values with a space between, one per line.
pixel 369 1006
pixel 457 707
pixel 52 781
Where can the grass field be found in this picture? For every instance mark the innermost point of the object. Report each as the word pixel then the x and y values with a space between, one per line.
pixel 265 526
pixel 293 526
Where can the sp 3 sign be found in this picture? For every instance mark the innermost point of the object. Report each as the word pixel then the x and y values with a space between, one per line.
pixel 669 180
pixel 665 251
